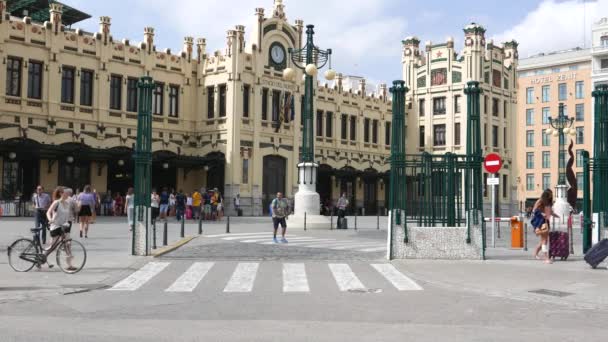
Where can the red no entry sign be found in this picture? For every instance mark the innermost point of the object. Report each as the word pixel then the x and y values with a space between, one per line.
pixel 492 163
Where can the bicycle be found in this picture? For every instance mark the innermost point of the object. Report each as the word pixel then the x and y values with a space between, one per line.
pixel 24 254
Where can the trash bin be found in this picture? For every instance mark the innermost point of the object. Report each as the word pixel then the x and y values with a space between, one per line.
pixel 517 233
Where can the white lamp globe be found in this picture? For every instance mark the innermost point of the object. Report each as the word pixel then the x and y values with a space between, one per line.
pixel 330 74
pixel 70 159
pixel 312 70
pixel 549 131
pixel 121 162
pixel 289 74
pixel 566 130
pixel 555 133
pixel 573 132
pixel 165 166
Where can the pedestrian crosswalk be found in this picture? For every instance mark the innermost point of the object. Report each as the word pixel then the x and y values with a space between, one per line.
pixel 244 277
pixel 265 238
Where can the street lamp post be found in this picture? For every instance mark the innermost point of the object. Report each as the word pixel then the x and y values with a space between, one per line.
pixel 561 127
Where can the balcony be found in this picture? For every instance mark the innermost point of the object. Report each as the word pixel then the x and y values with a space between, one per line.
pixel 599 50
pixel 600 72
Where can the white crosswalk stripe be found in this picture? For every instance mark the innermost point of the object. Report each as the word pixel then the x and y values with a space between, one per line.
pixel 375 249
pixel 190 279
pixel 398 279
pixel 294 278
pixel 356 245
pixel 140 277
pixel 297 241
pixel 235 234
pixel 345 278
pixel 243 277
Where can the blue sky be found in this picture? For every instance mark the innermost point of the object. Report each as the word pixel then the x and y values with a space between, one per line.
pixel 364 34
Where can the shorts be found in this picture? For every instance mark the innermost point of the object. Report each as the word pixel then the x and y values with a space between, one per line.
pixel 208 209
pixel 154 213
pixel 164 208
pixel 56 232
pixel 85 210
pixel 279 220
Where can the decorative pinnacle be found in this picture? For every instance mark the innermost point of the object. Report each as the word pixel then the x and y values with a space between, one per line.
pixel 56 7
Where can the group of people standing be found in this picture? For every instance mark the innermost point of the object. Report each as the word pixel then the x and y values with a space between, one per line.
pixel 199 205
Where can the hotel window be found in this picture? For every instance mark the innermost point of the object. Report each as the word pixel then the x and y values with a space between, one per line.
pixel 529 117
pixel 276 106
pixel 439 135
pixel 529 95
pixel 580 137
pixel 211 103
pixel 562 91
pixel 546 115
pixel 132 95
pixel 530 160
pixel 329 124
pixel 421 105
pixel 580 180
pixel 222 89
pixel 495 107
pixel 439 105
pixel 375 132
pixel 457 104
pixel 319 123
pixel 485 104
pixel 265 106
pixel 86 88
pixel 343 126
pixel 353 128
pixel 115 92
pixel 530 182
pixel 579 88
pixel 421 137
pixel 387 133
pixel 495 136
pixel 245 178
pixel 174 101
pixel 158 99
pixel 579 158
pixel 366 130
pixel 67 84
pixel 546 159
pixel 13 76
pixel 457 134
pixel 546 181
pixel 34 80
pixel 505 185
pixel 529 138
pixel 580 112
pixel 546 93
pixel 246 91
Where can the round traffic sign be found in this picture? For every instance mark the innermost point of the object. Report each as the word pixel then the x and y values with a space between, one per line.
pixel 492 163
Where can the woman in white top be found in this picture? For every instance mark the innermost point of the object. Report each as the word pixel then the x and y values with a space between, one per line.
pixel 59 215
pixel 130 207
pixel 155 204
pixel 172 203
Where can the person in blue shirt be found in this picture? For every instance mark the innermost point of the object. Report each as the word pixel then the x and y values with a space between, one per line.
pixel 164 204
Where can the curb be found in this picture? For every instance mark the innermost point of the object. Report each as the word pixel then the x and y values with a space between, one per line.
pixel 162 251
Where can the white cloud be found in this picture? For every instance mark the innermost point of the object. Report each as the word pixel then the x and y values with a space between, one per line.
pixel 556 25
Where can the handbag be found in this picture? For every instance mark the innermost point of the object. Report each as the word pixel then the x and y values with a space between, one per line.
pixel 543 229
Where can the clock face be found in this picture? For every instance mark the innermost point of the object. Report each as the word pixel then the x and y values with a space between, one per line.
pixel 277 53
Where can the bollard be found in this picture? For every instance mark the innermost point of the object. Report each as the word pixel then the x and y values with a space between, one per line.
pixel 165 237
pixel 304 221
pixel 182 232
pixel 378 220
pixel 526 236
pixel 355 219
pixel 498 230
pixel 154 235
pixel 200 226
pixel 227 224
pixel 331 220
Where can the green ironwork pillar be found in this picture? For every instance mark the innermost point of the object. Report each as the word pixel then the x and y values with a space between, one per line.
pixel 600 155
pixel 143 168
pixel 308 139
pixel 587 220
pixel 473 178
pixel 451 190
pixel 397 186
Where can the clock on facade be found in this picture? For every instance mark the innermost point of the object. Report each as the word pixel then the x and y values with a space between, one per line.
pixel 277 56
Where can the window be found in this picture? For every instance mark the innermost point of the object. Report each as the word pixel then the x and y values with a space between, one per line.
pixel 529 117
pixel 603 43
pixel 319 123
pixel 366 130
pixel 67 85
pixel 579 158
pixel 329 124
pixel 562 91
pixel 421 105
pixel 555 70
pixel 421 137
pixel 222 89
pixel 573 67
pixel 174 101
pixel 546 96
pixel 245 179
pixel 546 115
pixel 439 105
pixel 546 138
pixel 495 107
pixel 246 91
pixel 529 138
pixel 387 133
pixel 457 104
pixel 485 184
pixel 375 132
pixel 546 181
pixel 343 126
pixel 529 95
pixel 115 92
pixel 457 134
pixel 34 80
pixel 580 137
pixel 86 88
pixel 580 180
pixel 211 103
pixel 579 89
pixel 530 182
pixel 485 104
pixel 276 106
pixel 265 106
pixel 604 63
pixel 494 135
pixel 546 159
pixel 580 112
pixel 353 128
pixel 504 136
pixel 13 76
pixel 505 109
pixel 158 99
pixel 439 135
pixel 505 186
pixel 132 95
pixel 530 160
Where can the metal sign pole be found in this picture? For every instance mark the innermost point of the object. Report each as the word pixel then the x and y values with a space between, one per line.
pixel 493 214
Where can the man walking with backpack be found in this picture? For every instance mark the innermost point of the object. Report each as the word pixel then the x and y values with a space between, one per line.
pixel 280 211
pixel 180 205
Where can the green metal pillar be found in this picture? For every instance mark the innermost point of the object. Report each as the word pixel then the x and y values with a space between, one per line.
pixel 397 184
pixel 143 166
pixel 587 220
pixel 473 179
pixel 600 155
pixel 308 139
pixel 451 189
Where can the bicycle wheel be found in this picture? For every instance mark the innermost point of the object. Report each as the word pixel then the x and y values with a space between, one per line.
pixel 22 255
pixel 71 256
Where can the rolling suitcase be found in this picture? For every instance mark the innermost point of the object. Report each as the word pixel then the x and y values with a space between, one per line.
pixel 559 246
pixel 342 223
pixel 597 253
